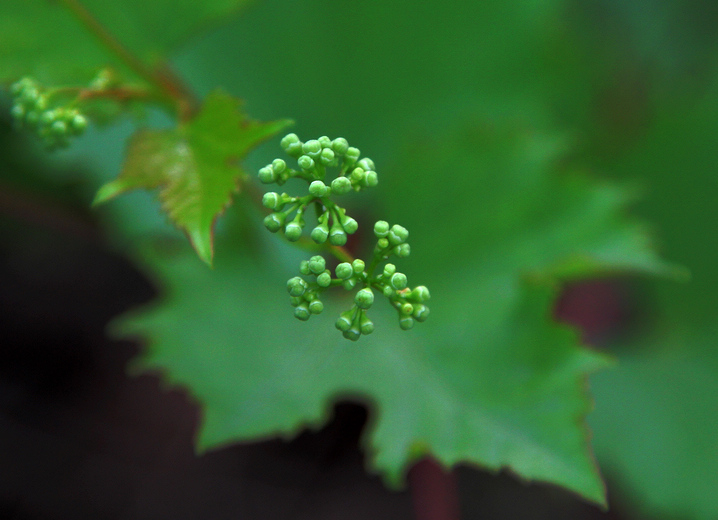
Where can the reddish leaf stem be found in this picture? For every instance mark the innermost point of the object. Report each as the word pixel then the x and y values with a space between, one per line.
pixel 166 82
pixel 433 491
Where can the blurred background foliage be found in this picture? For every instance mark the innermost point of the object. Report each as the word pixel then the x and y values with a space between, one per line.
pixel 629 88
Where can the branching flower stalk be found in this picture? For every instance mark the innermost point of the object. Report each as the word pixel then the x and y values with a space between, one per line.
pixel 314 159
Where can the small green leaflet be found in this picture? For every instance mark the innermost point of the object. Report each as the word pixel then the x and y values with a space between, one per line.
pixel 193 165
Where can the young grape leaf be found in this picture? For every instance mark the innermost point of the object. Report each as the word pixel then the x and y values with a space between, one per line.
pixel 46 40
pixel 490 378
pixel 193 165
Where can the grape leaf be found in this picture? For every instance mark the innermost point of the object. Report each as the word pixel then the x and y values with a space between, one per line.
pixel 655 424
pixel 657 414
pixel 44 39
pixel 192 165
pixel 490 378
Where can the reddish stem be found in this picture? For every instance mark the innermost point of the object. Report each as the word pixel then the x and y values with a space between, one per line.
pixel 434 491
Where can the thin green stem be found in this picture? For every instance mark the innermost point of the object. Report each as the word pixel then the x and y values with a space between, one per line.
pixel 170 86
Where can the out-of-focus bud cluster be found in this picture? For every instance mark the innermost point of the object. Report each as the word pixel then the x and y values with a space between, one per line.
pixel 32 109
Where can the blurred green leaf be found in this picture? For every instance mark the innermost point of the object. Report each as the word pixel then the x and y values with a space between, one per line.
pixel 656 416
pixel 489 378
pixel 655 425
pixel 194 166
pixel 44 39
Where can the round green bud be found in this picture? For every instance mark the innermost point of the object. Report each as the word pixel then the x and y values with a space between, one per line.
pixel 388 291
pixel 407 309
pixel 389 270
pixel 406 322
pixel 296 286
pixel 317 264
pixel 325 141
pixel 357 175
pixel 272 200
pixel 312 148
pixel 365 325
pixel 306 162
pixel 382 243
pixel 367 164
pixel 289 140
pixel 19 86
pixel 293 231
pixel 274 222
pixel 267 175
pixel 402 250
pixel 381 228
pixel 316 307
pixel 358 266
pixel 41 103
pixel 344 270
pixel 344 322
pixel 78 123
pixel 364 298
pixel 17 112
pixel 318 189
pixel 294 149
pixel 352 334
pixel 302 312
pixel 420 293
pixel 397 234
pixel 326 157
pixel 371 179
pixel 296 300
pixel 278 165
pixel 337 237
pixel 352 154
pixel 349 284
pixel 48 117
pixel 421 312
pixel 304 268
pixel 29 95
pixel 340 145
pixel 398 281
pixel 320 233
pixel 350 225
pixel 324 279
pixel 341 186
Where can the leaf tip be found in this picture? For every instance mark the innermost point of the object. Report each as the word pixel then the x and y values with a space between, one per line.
pixel 108 191
pixel 201 241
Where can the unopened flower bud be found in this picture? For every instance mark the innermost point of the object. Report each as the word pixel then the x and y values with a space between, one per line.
pixel 381 228
pixel 318 189
pixel 364 298
pixel 344 270
pixel 406 322
pixel 398 281
pixel 341 186
pixel 340 145
pixel 317 264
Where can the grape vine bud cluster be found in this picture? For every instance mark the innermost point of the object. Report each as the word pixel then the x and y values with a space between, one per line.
pixel 32 109
pixel 314 159
pixel 353 323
